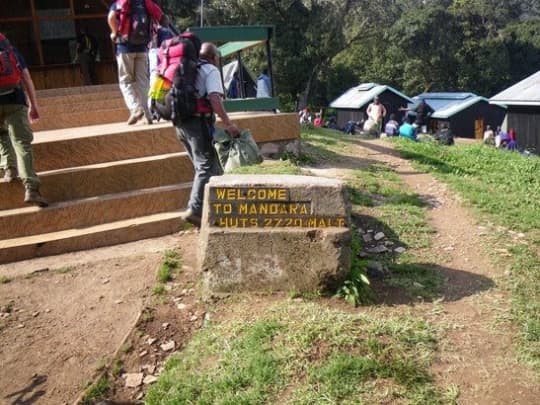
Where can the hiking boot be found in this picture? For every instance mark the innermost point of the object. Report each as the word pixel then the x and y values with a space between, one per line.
pixel 10 174
pixel 134 117
pixel 190 216
pixel 34 197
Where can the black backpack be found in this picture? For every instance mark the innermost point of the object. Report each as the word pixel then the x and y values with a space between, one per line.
pixel 139 20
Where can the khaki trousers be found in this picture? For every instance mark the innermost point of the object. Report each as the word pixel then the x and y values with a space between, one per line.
pixel 16 143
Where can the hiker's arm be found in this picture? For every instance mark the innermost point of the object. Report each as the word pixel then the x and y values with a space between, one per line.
pixel 30 91
pixel 216 102
pixel 113 24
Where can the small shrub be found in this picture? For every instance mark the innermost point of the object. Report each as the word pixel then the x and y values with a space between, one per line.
pixel 355 290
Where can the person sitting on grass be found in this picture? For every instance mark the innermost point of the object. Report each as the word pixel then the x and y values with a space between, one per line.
pixel 407 130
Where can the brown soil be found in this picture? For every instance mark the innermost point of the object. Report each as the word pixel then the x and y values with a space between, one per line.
pixel 59 329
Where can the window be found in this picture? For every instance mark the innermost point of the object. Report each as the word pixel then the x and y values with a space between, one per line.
pixel 48 37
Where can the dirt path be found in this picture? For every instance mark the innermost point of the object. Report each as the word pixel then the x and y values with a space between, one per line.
pixel 59 325
pixel 477 354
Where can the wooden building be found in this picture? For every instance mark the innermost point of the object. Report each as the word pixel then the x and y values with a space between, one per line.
pixel 45 32
pixel 352 105
pixel 467 113
pixel 523 114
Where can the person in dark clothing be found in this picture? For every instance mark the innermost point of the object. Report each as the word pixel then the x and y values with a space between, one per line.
pixel 444 135
pixel 423 111
pixel 87 51
pixel 195 133
pixel 234 86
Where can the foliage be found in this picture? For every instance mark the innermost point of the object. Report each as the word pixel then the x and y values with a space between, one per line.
pixel 355 289
pixel 96 391
pixel 172 261
pixel 339 357
pixel 323 47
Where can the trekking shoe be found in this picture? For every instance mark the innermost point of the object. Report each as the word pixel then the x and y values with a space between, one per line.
pixel 134 117
pixel 10 174
pixel 191 217
pixel 34 197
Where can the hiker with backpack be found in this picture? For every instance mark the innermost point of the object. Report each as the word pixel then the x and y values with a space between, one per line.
pixel 131 23
pixel 195 130
pixel 18 107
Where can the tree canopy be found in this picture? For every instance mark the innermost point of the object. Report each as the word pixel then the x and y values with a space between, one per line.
pixel 323 47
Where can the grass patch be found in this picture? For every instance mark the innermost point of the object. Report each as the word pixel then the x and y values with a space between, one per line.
pixel 300 353
pixel 96 391
pixel 116 368
pixel 271 167
pixel 171 263
pixel 126 348
pixel 5 280
pixel 505 189
pixel 64 269
pixel 159 290
pixel 418 280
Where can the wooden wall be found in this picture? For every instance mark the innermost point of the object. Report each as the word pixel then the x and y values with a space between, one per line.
pixel 57 76
pixel 526 121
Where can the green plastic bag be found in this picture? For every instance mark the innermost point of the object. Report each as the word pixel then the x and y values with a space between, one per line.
pixel 236 152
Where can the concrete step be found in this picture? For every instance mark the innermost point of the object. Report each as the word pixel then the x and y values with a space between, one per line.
pixel 109 234
pixel 91 211
pixel 72 147
pixel 103 178
pixel 53 110
pixel 73 91
pixel 81 118
pixel 57 149
pixel 79 99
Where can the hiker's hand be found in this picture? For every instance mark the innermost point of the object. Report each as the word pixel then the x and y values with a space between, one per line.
pixel 232 130
pixel 33 114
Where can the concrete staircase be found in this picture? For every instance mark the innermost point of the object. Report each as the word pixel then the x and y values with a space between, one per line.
pixel 107 182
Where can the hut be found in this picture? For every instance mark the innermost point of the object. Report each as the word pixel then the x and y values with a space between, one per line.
pixel 352 105
pixel 250 84
pixel 468 114
pixel 523 111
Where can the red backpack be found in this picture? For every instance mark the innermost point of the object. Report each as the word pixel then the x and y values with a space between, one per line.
pixel 179 66
pixel 10 72
pixel 134 23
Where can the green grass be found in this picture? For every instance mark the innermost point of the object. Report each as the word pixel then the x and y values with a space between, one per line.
pixel 505 189
pixel 5 280
pixel 159 290
pixel 287 166
pixel 302 353
pixel 96 391
pixel 172 262
pixel 64 269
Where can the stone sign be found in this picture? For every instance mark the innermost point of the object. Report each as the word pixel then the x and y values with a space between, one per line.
pixel 274 232
pixel 267 207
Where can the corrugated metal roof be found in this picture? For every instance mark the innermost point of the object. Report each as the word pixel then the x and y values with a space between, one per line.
pixel 439 101
pixel 445 105
pixel 450 110
pixel 357 97
pixel 525 92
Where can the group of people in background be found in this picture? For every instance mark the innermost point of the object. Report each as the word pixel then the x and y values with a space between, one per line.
pixel 500 139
